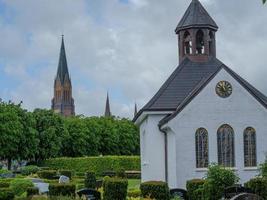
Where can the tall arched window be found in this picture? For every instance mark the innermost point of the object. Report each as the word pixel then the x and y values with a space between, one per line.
pixel 202 149
pixel 187 43
pixel 200 45
pixel 250 156
pixel 226 146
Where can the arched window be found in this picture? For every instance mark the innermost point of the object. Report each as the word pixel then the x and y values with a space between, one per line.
pixel 187 43
pixel 226 146
pixel 200 42
pixel 202 149
pixel 250 156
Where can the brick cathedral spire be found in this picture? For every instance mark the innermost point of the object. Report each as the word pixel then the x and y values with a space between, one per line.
pixel 63 102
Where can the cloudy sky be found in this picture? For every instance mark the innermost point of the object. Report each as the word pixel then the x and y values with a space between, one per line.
pixel 127 47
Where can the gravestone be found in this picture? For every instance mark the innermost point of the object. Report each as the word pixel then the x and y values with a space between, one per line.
pixel 63 180
pixel 90 194
pixel 41 185
pixel 246 196
pixel 178 193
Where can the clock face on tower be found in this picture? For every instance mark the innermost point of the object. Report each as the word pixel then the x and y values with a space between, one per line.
pixel 224 89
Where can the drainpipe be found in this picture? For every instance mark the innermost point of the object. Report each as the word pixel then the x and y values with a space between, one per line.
pixel 165 152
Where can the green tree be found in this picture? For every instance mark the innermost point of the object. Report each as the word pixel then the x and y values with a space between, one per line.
pixel 50 131
pixel 79 140
pixel 264 1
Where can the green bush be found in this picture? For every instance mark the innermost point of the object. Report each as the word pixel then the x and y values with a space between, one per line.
pixel 31 191
pixel 96 164
pixel 258 186
pixel 30 169
pixel 90 180
pixel 67 173
pixel 134 193
pixel 4 171
pixel 156 190
pixel 115 188
pixel 263 169
pixel 47 174
pixel 218 178
pixel 6 194
pixel 120 173
pixel 79 174
pixel 192 187
pixel 4 183
pixel 62 189
pixel 19 186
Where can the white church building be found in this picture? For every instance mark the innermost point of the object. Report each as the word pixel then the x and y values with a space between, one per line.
pixel 204 113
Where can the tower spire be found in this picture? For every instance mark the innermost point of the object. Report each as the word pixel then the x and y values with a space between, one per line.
pixel 107 109
pixel 135 109
pixel 62 71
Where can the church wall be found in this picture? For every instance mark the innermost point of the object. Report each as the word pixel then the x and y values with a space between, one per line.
pixel 152 149
pixel 207 110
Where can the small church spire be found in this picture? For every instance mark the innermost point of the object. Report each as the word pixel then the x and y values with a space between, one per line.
pixel 135 109
pixel 107 109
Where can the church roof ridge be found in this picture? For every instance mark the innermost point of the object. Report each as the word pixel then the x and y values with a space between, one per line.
pixel 196 16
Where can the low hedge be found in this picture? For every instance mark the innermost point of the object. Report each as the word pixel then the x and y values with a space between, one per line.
pixel 192 187
pixel 96 164
pixel 31 191
pixel 30 169
pixel 155 190
pixel 62 189
pixel 90 180
pixel 115 188
pixel 4 183
pixel 6 194
pixel 47 174
pixel 19 186
pixel 258 186
pixel 67 173
pixel 136 193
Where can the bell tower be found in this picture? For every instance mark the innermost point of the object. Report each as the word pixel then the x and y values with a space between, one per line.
pixel 196 34
pixel 63 102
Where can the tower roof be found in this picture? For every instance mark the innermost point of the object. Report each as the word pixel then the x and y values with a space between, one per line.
pixel 196 16
pixel 107 109
pixel 62 71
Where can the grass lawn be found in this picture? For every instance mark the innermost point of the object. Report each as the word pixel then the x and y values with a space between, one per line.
pixel 134 184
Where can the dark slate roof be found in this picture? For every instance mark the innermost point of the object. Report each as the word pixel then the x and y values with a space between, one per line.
pixel 188 79
pixel 252 90
pixel 62 70
pixel 196 16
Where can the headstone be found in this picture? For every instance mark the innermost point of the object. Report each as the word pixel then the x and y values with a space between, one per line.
pixel 181 193
pixel 246 196
pixel 90 194
pixel 63 180
pixel 41 185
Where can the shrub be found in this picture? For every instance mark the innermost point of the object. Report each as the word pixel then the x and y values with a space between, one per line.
pixel 62 189
pixel 96 164
pixel 6 194
pixel 263 169
pixel 120 173
pixel 258 186
pixel 67 173
pixel 133 174
pixel 31 191
pixel 19 186
pixel 4 183
pixel 192 187
pixel 80 174
pixel 156 190
pixel 47 174
pixel 4 171
pixel 90 180
pixel 30 169
pixel 218 178
pixel 134 193
pixel 115 188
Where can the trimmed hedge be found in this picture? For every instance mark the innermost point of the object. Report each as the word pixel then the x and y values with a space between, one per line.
pixel 47 174
pixel 62 189
pixel 258 186
pixel 192 187
pixel 4 183
pixel 67 173
pixel 19 186
pixel 134 193
pixel 31 191
pixel 90 180
pixel 155 190
pixel 96 164
pixel 115 188
pixel 6 194
pixel 30 169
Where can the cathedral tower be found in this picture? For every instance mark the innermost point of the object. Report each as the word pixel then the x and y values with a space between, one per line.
pixel 196 34
pixel 63 102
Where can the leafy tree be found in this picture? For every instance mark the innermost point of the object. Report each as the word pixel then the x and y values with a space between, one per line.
pixel 78 140
pixel 264 1
pixel 50 131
